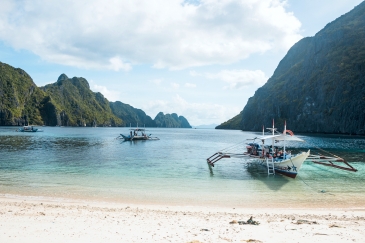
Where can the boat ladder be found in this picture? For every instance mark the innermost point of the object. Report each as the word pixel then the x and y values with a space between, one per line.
pixel 270 166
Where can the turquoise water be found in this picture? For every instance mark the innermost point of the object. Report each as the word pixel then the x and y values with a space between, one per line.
pixel 90 164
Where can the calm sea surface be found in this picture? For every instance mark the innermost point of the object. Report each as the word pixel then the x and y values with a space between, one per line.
pixel 90 164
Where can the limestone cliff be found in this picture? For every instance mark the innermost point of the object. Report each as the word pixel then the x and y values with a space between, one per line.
pixel 70 102
pixel 131 116
pixel 67 102
pixel 171 120
pixel 319 86
pixel 20 98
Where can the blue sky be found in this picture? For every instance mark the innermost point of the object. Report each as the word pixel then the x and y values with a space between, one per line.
pixel 200 59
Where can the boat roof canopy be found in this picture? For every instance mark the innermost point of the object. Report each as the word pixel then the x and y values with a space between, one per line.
pixel 137 129
pixel 289 138
pixel 282 137
pixel 268 137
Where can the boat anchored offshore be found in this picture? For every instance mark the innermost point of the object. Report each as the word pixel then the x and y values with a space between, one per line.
pixel 29 129
pixel 137 134
pixel 277 159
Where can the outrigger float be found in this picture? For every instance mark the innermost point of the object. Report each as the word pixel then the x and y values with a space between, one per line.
pixel 137 134
pixel 278 160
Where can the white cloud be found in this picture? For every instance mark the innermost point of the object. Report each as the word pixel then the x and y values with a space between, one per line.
pixel 116 63
pixel 109 94
pixel 156 81
pixel 189 85
pixel 175 85
pixel 236 79
pixel 195 113
pixel 172 34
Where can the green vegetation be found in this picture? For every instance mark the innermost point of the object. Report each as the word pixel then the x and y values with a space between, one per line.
pixel 68 102
pixel 319 86
pixel 171 120
pixel 133 117
pixel 130 115
pixel 19 97
pixel 232 123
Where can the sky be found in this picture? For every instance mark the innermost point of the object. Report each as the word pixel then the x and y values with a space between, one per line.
pixel 202 59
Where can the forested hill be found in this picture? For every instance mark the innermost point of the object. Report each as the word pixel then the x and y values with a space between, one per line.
pixel 171 120
pixel 319 86
pixel 72 103
pixel 20 98
pixel 67 102
pixel 136 117
pixel 131 116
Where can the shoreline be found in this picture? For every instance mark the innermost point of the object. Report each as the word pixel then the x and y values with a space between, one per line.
pixel 34 220
pixel 14 198
pixel 356 203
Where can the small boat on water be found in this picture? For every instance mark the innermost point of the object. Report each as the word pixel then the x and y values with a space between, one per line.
pixel 29 129
pixel 277 159
pixel 137 134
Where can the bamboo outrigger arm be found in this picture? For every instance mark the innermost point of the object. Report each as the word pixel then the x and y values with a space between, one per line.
pixel 215 157
pixel 221 155
pixel 329 161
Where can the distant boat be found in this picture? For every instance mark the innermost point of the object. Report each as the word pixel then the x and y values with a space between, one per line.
pixel 29 129
pixel 137 134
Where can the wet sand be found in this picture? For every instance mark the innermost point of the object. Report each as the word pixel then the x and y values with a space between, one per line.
pixel 29 220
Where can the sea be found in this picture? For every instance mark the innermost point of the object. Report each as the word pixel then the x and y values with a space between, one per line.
pixel 93 164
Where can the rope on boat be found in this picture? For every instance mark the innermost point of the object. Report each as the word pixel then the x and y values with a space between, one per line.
pixel 231 147
pixel 314 189
pixel 306 183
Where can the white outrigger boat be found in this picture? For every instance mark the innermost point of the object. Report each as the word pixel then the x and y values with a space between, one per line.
pixel 277 160
pixel 137 134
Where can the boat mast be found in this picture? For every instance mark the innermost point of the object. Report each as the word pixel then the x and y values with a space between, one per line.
pixel 284 137
pixel 263 142
pixel 273 133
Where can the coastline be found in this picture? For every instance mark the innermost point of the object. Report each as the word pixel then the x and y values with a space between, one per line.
pixel 30 219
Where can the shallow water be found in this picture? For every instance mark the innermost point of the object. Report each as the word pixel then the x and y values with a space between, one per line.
pixel 89 163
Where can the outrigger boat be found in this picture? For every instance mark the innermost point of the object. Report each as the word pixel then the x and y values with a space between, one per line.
pixel 29 129
pixel 137 134
pixel 279 160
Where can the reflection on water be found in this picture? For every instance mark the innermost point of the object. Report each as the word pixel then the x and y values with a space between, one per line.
pixel 272 182
pixel 91 163
pixel 18 143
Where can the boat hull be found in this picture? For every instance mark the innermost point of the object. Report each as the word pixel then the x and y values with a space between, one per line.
pixel 139 138
pixel 134 138
pixel 27 129
pixel 290 167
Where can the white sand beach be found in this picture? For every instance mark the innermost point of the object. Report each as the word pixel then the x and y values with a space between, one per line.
pixel 33 220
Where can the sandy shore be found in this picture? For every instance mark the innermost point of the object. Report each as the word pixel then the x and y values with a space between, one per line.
pixel 29 220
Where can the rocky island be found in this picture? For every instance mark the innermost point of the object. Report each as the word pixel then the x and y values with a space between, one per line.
pixel 68 102
pixel 318 87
